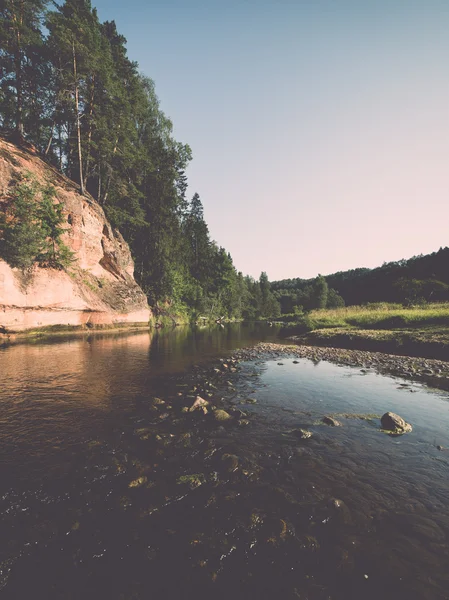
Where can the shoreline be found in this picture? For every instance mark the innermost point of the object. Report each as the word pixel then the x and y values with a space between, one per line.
pixel 432 372
pixel 431 342
pixel 56 332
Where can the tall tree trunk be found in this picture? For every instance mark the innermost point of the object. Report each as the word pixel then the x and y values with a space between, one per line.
pixel 18 67
pixel 109 178
pixel 99 183
pixel 89 135
pixel 60 148
pixel 47 150
pixel 78 125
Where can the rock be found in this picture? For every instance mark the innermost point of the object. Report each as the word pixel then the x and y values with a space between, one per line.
pixel 193 481
pixel 280 364
pixel 296 362
pixel 199 404
pixel 231 462
pixel 100 290
pixel 137 482
pixel 303 434
pixel 394 423
pixel 221 415
pixel 156 401
pixel 335 503
pixel 331 421
pixel 236 412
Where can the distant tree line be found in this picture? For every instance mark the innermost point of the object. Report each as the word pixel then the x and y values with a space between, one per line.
pixel 68 87
pixel 305 295
pixel 423 278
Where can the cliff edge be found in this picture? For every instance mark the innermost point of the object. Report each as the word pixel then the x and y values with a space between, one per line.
pixel 97 289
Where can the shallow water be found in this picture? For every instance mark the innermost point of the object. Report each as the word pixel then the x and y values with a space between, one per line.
pixel 104 495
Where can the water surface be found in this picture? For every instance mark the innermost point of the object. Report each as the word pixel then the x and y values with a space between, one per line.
pixel 102 495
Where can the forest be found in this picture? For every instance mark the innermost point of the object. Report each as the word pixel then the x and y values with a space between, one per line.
pixel 68 88
pixel 410 282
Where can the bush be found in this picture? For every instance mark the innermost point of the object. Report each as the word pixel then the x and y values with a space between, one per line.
pixel 31 227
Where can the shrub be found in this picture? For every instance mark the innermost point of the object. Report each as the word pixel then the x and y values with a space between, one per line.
pixel 31 227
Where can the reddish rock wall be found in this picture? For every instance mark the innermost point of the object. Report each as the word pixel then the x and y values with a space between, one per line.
pixel 99 289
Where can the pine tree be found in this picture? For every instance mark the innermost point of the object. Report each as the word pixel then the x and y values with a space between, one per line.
pixel 21 63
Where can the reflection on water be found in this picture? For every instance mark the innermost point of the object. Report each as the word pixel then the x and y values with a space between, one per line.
pixel 106 495
pixel 54 397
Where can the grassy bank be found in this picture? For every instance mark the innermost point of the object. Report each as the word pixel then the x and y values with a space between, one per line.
pixel 416 331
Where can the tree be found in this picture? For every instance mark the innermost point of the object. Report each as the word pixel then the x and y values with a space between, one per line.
pixel 50 216
pixel 320 292
pixel 21 61
pixel 76 51
pixel 334 300
pixel 22 234
pixel 31 227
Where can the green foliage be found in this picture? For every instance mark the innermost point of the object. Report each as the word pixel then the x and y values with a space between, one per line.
pixel 423 278
pixel 22 237
pixel 380 316
pixel 70 88
pixel 23 66
pixel 334 300
pixel 31 227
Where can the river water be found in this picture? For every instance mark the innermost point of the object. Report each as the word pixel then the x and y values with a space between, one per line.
pixel 106 494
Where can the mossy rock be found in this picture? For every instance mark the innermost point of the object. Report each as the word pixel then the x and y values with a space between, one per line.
pixel 193 481
pixel 302 434
pixel 221 415
pixel 137 482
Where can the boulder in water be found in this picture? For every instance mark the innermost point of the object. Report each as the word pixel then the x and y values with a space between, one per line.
pixel 221 415
pixel 393 423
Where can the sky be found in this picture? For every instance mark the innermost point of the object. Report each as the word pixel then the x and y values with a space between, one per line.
pixel 319 128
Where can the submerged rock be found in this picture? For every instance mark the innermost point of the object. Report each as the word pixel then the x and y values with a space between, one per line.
pixel 231 462
pixel 250 401
pixel 331 421
pixel 303 434
pixel 221 415
pixel 193 481
pixel 392 422
pixel 137 482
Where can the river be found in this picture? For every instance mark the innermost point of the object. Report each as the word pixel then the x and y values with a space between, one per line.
pixel 106 492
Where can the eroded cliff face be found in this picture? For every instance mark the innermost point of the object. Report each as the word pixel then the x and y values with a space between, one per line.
pixel 98 289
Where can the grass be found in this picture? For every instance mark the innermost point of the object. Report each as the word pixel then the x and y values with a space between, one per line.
pixel 415 331
pixel 381 316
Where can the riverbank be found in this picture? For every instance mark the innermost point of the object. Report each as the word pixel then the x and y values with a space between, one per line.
pixel 430 371
pixel 56 332
pixel 431 342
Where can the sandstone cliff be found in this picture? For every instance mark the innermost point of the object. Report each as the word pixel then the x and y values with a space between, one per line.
pixel 98 289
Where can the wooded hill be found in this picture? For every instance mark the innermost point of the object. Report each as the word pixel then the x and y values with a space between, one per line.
pixel 423 278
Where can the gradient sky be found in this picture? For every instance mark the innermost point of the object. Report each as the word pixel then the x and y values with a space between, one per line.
pixel 319 128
